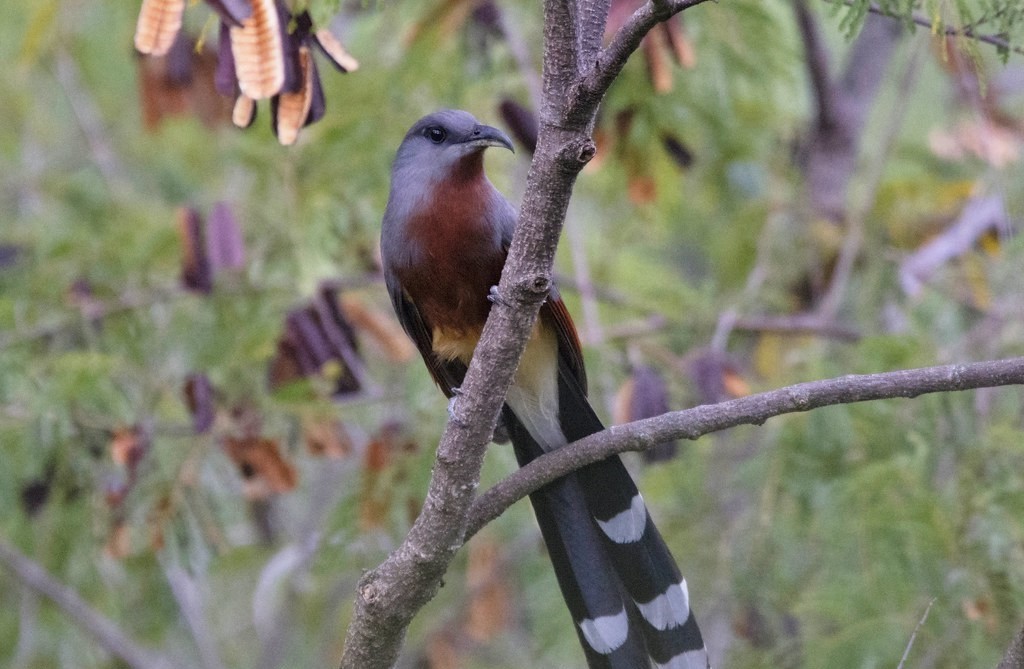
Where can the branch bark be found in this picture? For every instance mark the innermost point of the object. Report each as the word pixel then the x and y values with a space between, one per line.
pixel 1014 657
pixel 750 410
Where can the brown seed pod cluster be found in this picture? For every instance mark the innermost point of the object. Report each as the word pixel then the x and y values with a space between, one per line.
pixel 265 52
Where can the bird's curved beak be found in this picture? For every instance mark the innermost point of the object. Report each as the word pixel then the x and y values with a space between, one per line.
pixel 485 135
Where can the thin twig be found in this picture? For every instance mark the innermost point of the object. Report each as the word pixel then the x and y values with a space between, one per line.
pixel 94 312
pixel 978 216
pixel 949 31
pixel 190 602
pixel 105 631
pixel 750 410
pixel 798 324
pixel 592 329
pixel 818 70
pixel 90 122
pixel 729 317
pixel 843 271
pixel 521 54
pixel 291 564
pixel 913 635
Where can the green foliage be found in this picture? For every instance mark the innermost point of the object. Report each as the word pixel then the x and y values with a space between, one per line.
pixel 817 540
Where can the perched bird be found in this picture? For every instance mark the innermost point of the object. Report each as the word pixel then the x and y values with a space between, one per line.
pixel 444 239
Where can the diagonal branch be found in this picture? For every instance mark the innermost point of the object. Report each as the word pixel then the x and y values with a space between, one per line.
pixel 818 69
pixel 750 410
pixel 103 630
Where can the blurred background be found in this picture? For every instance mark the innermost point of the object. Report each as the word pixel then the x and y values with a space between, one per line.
pixel 211 424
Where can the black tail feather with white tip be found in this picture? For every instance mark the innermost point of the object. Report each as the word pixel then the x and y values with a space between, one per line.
pixel 605 548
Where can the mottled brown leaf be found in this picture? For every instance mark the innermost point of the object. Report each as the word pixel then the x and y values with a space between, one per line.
pixel 128 446
pixel 263 468
pixel 680 45
pixel 289 110
pixel 380 473
pixel 118 543
pixel 181 83
pixel 327 438
pixel 656 55
pixel 717 377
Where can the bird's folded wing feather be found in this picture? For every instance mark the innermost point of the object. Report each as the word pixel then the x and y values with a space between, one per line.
pixel 448 374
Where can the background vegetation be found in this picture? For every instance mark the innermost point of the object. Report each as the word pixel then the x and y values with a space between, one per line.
pixel 231 533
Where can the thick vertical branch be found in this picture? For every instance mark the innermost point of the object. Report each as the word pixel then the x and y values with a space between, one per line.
pixel 593 15
pixel 842 110
pixel 390 595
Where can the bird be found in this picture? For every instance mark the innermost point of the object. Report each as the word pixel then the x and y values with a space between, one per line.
pixel 445 236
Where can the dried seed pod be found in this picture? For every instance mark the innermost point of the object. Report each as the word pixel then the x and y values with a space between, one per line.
pixel 198 392
pixel 232 12
pixel 679 152
pixel 318 103
pixel 224 243
pixel 290 110
pixel 335 52
pixel 645 395
pixel 158 25
pixel 225 78
pixel 244 111
pixel 682 48
pixel 258 52
pixel 195 265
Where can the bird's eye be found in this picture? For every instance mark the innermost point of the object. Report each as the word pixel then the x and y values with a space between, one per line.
pixel 435 134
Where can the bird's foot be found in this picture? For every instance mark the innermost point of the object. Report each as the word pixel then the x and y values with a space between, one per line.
pixel 456 394
pixel 495 297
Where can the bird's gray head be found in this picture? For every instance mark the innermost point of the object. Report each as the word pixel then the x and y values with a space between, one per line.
pixel 441 150
pixel 438 143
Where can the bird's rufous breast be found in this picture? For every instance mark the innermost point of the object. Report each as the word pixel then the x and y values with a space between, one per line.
pixel 460 258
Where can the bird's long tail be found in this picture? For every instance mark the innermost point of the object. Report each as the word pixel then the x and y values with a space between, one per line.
pixel 621 584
